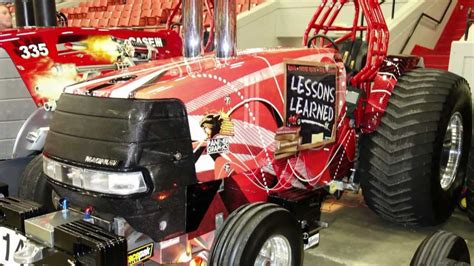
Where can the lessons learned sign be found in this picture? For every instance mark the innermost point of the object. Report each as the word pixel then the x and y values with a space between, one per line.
pixel 311 100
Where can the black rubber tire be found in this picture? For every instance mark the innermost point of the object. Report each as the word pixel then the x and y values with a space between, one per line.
pixel 470 183
pixel 442 248
pixel 243 234
pixel 399 163
pixel 34 185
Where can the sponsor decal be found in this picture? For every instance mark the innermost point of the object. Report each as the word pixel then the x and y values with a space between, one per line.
pixel 218 145
pixel 152 41
pixel 217 124
pixel 140 254
pixel 101 161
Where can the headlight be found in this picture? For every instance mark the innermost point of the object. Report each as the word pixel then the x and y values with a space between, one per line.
pixel 93 180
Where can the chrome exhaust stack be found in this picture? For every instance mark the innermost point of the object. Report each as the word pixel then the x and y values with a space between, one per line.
pixel 192 28
pixel 225 21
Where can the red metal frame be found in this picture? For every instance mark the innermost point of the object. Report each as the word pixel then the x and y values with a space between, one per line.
pixel 377 34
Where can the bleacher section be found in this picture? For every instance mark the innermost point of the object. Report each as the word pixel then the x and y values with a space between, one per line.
pixel 132 13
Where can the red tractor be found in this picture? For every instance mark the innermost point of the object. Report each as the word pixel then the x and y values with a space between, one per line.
pixel 193 161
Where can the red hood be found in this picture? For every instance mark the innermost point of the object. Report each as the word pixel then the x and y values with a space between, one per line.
pixel 199 82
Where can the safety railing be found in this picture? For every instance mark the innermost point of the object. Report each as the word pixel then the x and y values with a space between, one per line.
pixel 424 15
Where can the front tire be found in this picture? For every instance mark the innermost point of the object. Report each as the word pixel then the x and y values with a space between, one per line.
pixel 258 234
pixel 34 185
pixel 442 248
pixel 470 184
pixel 413 166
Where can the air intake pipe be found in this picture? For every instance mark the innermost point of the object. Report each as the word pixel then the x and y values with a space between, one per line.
pixel 226 28
pixel 45 13
pixel 24 13
pixel 192 28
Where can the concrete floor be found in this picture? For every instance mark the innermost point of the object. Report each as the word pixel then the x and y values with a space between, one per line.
pixel 356 236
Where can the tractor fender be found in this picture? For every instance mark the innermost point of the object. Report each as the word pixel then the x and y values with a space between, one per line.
pixel 32 134
pixel 394 67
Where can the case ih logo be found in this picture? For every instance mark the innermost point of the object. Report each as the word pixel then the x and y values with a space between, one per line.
pixel 152 41
pixel 101 161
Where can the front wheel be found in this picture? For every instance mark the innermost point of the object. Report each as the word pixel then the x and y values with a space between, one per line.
pixel 258 234
pixel 34 186
pixel 442 248
pixel 470 183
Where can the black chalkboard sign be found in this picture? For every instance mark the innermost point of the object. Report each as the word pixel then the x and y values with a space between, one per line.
pixel 311 101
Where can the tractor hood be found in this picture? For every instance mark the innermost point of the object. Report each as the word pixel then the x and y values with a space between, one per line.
pixel 193 80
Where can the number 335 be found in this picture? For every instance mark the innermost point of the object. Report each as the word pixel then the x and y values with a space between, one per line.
pixel 34 50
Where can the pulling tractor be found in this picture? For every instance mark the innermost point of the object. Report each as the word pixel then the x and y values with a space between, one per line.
pixel 197 160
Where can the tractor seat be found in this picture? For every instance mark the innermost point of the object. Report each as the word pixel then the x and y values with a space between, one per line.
pixel 354 54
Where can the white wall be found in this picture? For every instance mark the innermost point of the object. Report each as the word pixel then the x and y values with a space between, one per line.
pixel 282 23
pixel 461 60
pixel 427 33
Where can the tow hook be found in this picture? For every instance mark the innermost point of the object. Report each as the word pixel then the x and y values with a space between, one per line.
pixel 29 254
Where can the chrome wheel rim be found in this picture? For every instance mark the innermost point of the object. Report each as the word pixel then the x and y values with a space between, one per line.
pixel 276 251
pixel 451 151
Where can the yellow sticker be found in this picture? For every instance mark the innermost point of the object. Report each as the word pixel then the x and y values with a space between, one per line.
pixel 140 254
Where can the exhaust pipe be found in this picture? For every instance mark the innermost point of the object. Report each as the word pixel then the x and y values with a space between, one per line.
pixel 45 13
pixel 192 28
pixel 24 13
pixel 226 28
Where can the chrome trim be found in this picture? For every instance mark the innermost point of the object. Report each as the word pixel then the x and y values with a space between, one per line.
pixel 276 251
pixel 192 28
pixel 451 151
pixel 226 28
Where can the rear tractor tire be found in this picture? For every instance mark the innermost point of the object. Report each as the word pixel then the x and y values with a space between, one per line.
pixel 413 167
pixel 258 234
pixel 34 185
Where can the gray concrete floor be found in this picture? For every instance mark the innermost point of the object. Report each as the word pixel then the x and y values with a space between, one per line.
pixel 356 236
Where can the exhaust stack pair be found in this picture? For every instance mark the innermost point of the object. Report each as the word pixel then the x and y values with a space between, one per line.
pixel 225 21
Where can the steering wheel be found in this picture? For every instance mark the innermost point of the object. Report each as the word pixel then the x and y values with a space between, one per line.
pixel 321 43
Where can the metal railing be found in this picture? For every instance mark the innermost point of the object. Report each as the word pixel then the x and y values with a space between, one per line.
pixel 469 22
pixel 424 15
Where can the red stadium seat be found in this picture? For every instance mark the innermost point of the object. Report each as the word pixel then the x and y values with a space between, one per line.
pixel 116 14
pixel 123 22
pixel 94 23
pixel 156 5
pixel 98 15
pixel 113 22
pixel 126 14
pixel 119 8
pixel 76 23
pixel 107 14
pixel 136 13
pixel 84 10
pixel 146 13
pixel 111 8
pixel 127 8
pixel 166 5
pixel 90 15
pixel 134 22
pixel 142 22
pixel 103 22
pixel 156 13
pixel 85 22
